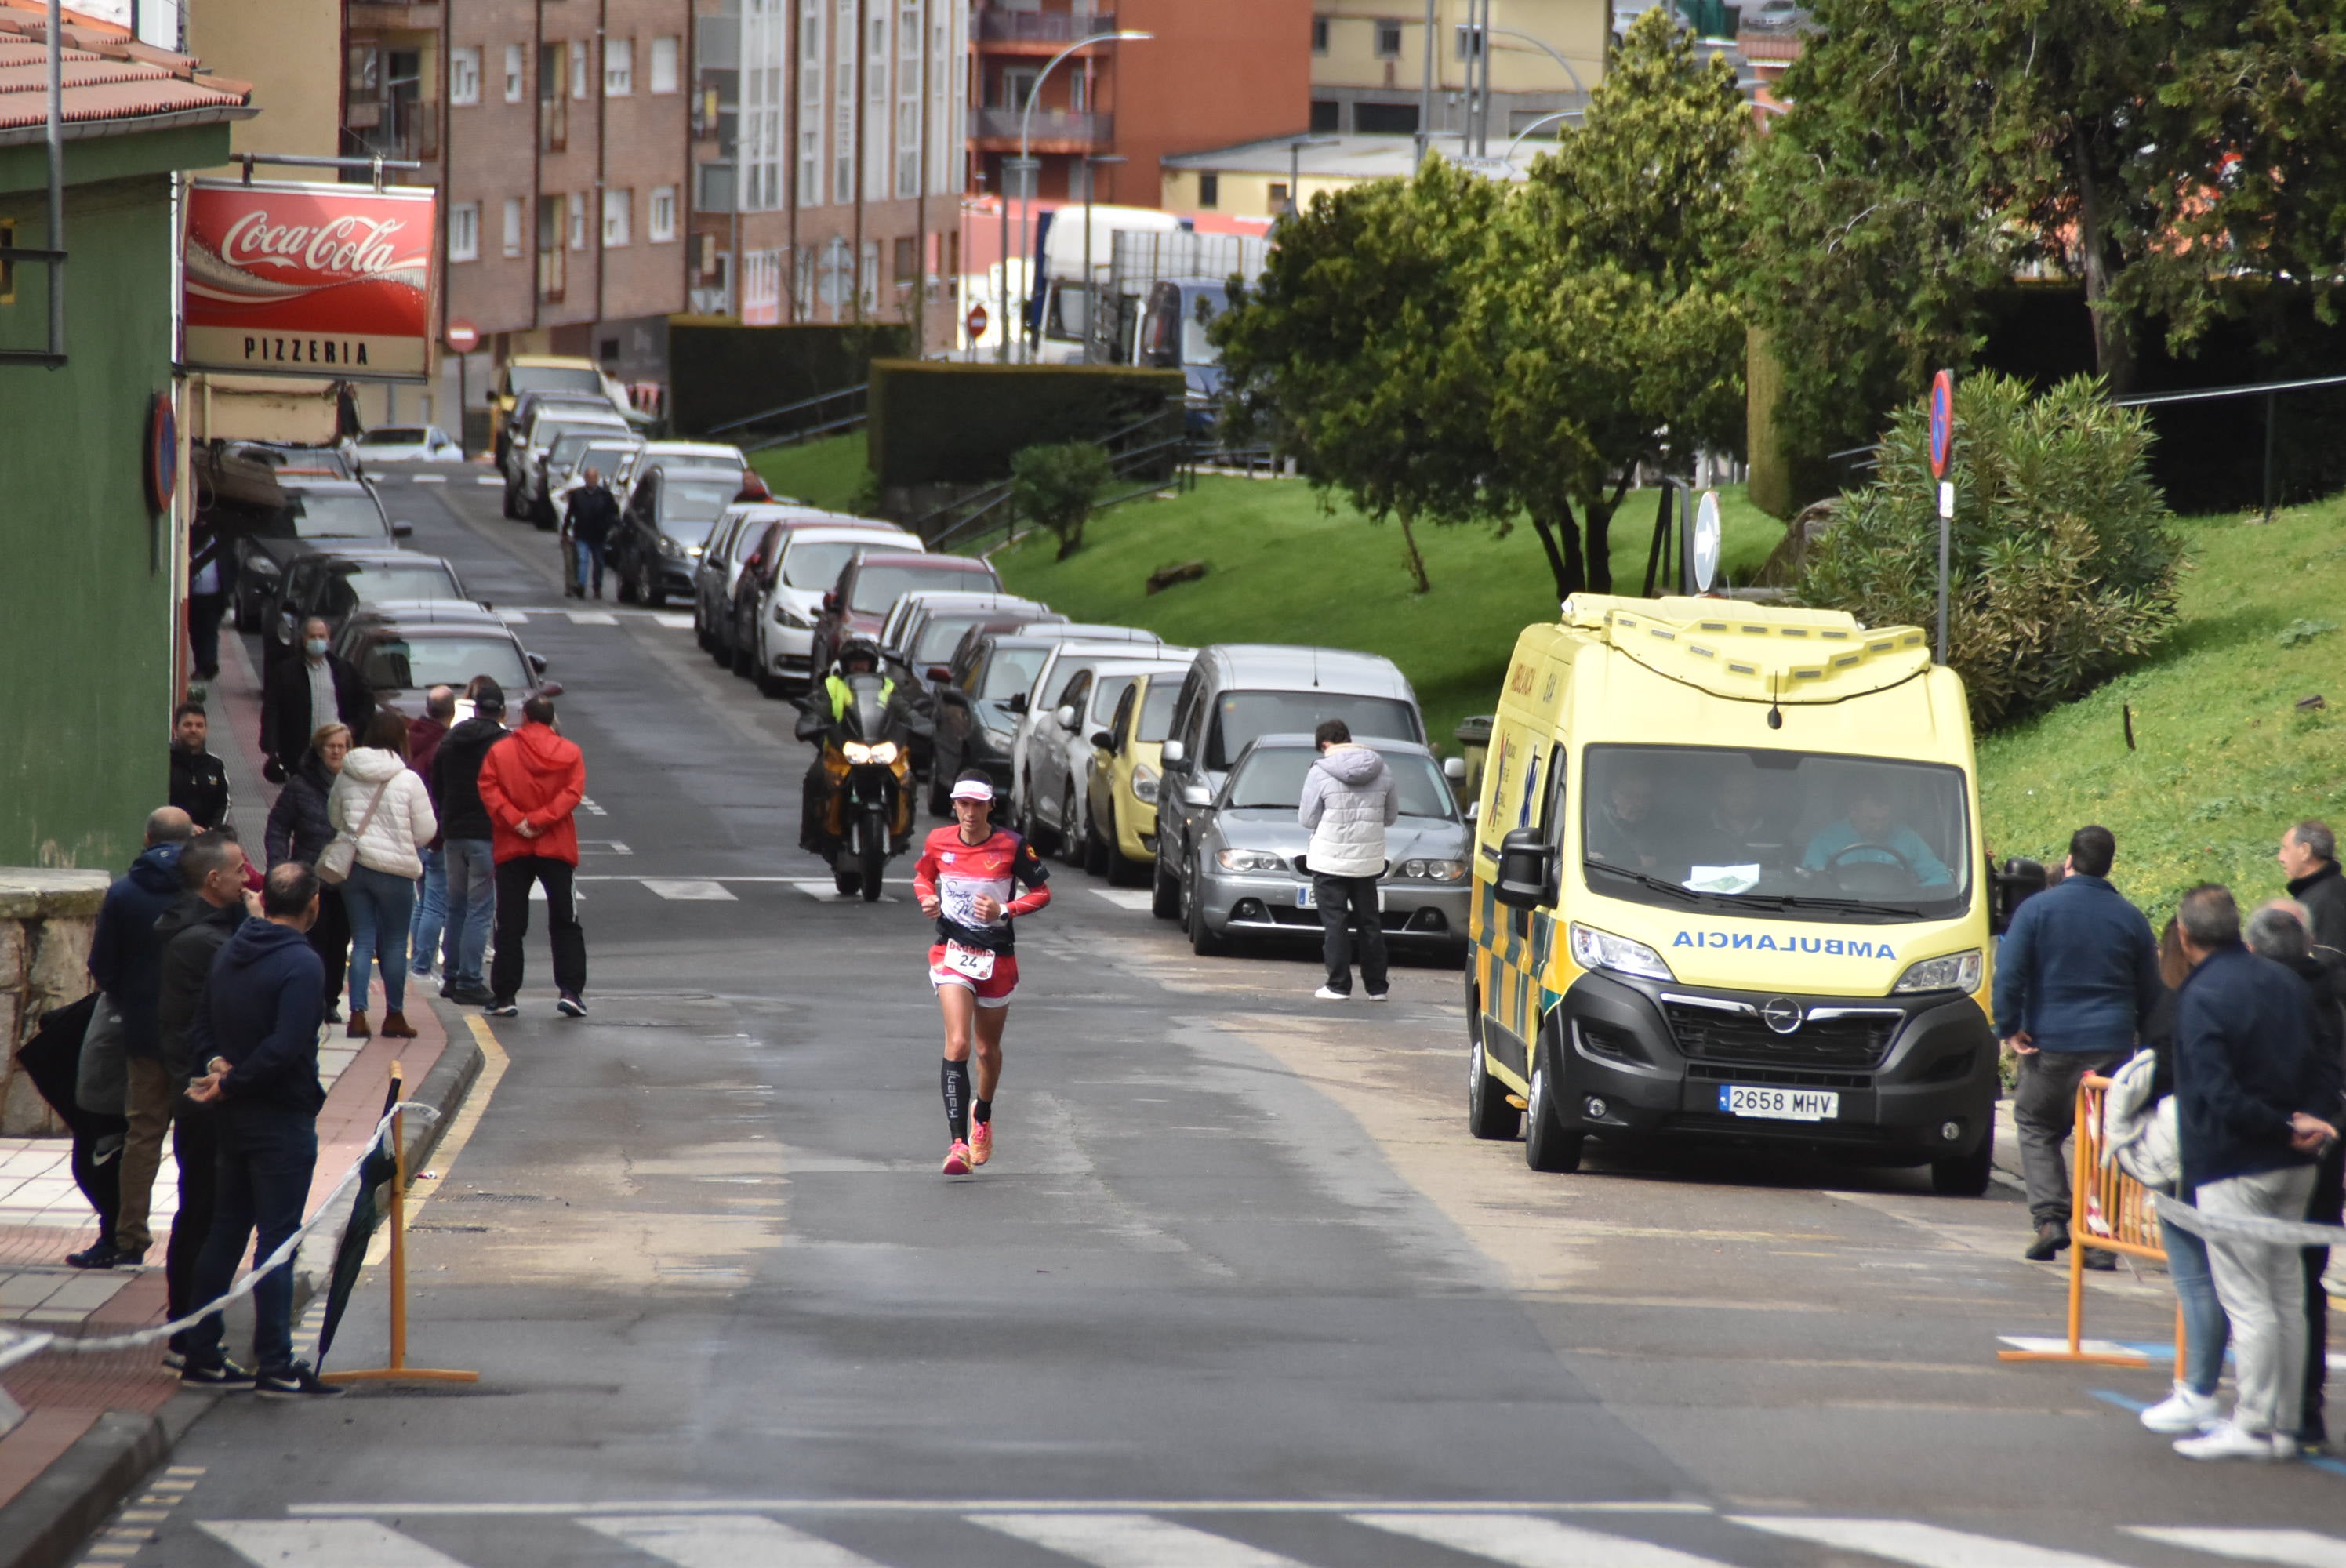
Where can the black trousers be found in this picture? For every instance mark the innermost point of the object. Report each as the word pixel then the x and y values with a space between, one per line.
pixel 100 1180
pixel 1350 900
pixel 2329 1203
pixel 331 938
pixel 194 1144
pixel 513 880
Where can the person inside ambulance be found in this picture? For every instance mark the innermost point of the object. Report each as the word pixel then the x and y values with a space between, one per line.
pixel 1739 833
pixel 1622 831
pixel 1871 835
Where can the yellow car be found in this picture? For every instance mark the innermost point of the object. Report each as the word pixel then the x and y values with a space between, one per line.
pixel 547 373
pixel 1120 834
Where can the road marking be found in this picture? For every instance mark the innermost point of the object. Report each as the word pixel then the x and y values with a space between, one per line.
pixel 605 845
pixel 487 479
pixel 688 891
pixel 1130 1541
pixel 513 617
pixel 2293 1548
pixel 592 618
pixel 675 623
pixel 725 1541
pixel 1921 1545
pixel 587 802
pixel 1529 1542
pixel 324 1544
pixel 922 1505
pixel 475 1105
pixel 427 479
pixel 537 895
pixel 829 893
pixel 1127 898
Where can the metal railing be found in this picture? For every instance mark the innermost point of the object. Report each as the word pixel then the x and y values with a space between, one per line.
pixel 394 128
pixel 1166 461
pixel 826 414
pixel 995 26
pixel 1049 126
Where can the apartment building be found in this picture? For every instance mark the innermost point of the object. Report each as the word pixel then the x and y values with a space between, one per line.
pixel 1212 71
pixel 828 154
pixel 1368 63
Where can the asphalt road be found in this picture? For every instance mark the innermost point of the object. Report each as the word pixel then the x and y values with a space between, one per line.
pixel 1237 1289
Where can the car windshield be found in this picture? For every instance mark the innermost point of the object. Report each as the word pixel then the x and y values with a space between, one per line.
pixel 394 435
pixel 1156 711
pixel 603 459
pixel 815 564
pixel 1012 673
pixel 554 378
pixel 567 445
pixel 1242 717
pixel 1196 348
pixel 1272 779
pixel 377 584
pixel 881 586
pixel 941 635
pixel 410 663
pixel 317 516
pixel 545 431
pixel 1776 832
pixel 1107 692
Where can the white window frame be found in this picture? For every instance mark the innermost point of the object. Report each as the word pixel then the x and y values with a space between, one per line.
pixel 464 231
pixel 464 75
pixel 516 74
pixel 659 217
pixel 579 220
pixel 668 52
pixel 578 69
pixel 809 187
pixel 512 235
pixel 618 210
pixel 618 67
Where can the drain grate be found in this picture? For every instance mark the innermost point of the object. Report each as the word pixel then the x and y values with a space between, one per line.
pixel 492 1197
pixel 449 1230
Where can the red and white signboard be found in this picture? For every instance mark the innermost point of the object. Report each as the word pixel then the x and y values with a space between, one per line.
pixel 462 336
pixel 330 280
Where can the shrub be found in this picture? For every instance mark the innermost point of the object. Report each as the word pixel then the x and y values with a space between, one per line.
pixel 2062 567
pixel 1054 488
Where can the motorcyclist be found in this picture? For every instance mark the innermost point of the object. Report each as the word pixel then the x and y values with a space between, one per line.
pixel 820 717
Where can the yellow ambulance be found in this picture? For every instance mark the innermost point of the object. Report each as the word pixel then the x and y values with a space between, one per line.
pixel 1729 884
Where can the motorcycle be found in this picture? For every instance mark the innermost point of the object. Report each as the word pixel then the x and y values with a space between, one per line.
pixel 866 767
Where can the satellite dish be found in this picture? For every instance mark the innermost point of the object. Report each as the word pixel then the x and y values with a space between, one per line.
pixel 1703 555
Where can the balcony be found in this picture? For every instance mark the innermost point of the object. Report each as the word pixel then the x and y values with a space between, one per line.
pixel 403 129
pixel 1055 130
pixel 1059 28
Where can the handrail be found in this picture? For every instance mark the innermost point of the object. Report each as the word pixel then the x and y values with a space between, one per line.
pixel 762 416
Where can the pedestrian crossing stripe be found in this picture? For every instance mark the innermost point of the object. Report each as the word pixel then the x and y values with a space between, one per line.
pixel 1130 1541
pixel 1529 1541
pixel 725 1540
pixel 346 1542
pixel 1921 1545
pixel 2291 1548
pixel 690 890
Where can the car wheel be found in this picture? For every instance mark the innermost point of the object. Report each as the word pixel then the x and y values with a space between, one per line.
pixel 939 806
pixel 1202 940
pixel 1045 840
pixel 1099 855
pixel 1966 1175
pixel 510 511
pixel 1488 1115
pixel 654 593
pixel 1547 1147
pixel 1075 838
pixel 626 583
pixel 770 684
pixel 1164 893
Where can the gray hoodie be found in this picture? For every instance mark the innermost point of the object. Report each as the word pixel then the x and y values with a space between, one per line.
pixel 1347 803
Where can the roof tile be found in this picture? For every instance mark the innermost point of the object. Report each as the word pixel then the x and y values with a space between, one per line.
pixel 107 75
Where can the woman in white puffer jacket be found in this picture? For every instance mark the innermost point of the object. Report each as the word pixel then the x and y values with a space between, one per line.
pixel 381 803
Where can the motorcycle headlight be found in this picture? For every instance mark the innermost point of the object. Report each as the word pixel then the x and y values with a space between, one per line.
pixel 1433 871
pixel 1955 972
pixel 1594 949
pixel 1249 861
pixel 883 753
pixel 857 751
pixel 1144 784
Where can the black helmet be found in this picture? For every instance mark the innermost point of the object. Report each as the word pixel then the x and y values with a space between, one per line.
pixel 863 648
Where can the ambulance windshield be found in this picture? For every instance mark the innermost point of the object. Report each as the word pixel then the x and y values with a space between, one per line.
pixel 1776 833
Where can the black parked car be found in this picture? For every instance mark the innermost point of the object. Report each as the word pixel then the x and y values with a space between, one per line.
pixel 670 510
pixel 978 705
pixel 334 584
pixel 303 516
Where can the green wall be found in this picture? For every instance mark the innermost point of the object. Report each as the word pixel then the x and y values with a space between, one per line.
pixel 86 607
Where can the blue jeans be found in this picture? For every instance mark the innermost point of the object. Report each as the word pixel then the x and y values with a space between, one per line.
pixel 588 556
pixel 381 905
pixel 472 908
pixel 2206 1330
pixel 267 1157
pixel 431 912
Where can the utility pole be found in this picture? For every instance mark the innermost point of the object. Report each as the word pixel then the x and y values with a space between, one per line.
pixel 1433 42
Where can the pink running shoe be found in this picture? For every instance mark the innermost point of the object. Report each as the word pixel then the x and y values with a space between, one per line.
pixel 981 1143
pixel 957 1159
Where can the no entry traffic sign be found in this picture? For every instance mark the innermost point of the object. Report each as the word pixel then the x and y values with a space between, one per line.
pixel 462 336
pixel 1942 421
pixel 975 321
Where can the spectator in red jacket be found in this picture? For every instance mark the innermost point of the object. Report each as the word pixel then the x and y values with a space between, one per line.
pixel 530 783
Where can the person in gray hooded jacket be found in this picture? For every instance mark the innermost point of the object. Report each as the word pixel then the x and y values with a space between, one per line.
pixel 1347 803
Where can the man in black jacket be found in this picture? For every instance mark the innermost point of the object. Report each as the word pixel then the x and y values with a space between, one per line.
pixel 211 868
pixel 256 1036
pixel 198 780
pixel 2308 858
pixel 308 689
pixel 588 521
pixel 464 845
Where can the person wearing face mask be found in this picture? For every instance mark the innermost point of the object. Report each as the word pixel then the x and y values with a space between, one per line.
pixel 307 691
pixel 300 826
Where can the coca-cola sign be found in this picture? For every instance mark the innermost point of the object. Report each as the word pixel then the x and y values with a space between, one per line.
pixel 331 281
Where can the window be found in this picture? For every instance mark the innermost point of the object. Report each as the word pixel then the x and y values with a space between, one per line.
pixel 1388 40
pixel 1277 195
pixel 617 205
pixel 552 265
pixel 807 188
pixel 1210 191
pixel 908 262
pixel 1319 35
pixel 464 231
pixel 553 108
pixel 870 278
pixel 578 78
pixel 579 220
pixel 1327 115
pixel 515 79
pixel 661 217
pixel 513 225
pixel 618 67
pixel 1016 85
pixel 1469 45
pixel 1384 119
pixel 465 75
pixel 664 57
pixel 908 147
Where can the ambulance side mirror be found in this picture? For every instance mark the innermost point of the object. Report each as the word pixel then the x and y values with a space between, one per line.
pixel 1527 865
pixel 2009 887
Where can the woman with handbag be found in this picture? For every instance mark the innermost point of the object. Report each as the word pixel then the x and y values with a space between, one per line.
pixel 299 830
pixel 383 819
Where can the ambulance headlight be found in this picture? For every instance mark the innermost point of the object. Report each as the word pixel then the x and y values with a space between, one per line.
pixel 1955 972
pixel 1594 949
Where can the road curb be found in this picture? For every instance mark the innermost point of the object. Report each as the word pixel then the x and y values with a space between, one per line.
pixel 45 1525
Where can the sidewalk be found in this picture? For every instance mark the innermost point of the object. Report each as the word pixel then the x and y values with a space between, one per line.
pixel 94 1425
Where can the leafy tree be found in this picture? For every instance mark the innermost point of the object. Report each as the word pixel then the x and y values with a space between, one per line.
pixel 2062 567
pixel 1053 486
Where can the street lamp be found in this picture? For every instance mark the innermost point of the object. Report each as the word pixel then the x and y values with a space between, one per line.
pixel 1479 133
pixel 1093 163
pixel 1027 164
pixel 1509 155
pixel 1295 146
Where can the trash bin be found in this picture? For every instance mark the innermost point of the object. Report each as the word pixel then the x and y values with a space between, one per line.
pixel 1474 744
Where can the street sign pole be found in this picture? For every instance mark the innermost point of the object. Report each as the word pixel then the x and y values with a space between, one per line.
pixel 1942 441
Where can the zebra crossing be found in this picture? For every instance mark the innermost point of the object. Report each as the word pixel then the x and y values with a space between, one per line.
pixel 523 614
pixel 729 888
pixel 1224 1535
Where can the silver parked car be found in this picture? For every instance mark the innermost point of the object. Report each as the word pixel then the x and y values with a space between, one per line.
pixel 1249 878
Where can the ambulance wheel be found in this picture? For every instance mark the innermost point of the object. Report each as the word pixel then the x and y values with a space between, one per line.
pixel 1966 1175
pixel 1547 1145
pixel 1488 1115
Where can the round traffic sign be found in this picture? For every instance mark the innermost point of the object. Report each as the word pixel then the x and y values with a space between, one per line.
pixel 1708 529
pixel 1942 421
pixel 975 321
pixel 463 337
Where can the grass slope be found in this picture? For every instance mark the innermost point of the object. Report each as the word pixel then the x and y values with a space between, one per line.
pixel 1286 568
pixel 828 474
pixel 2224 759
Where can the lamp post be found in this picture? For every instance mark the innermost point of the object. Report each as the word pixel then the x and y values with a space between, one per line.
pixel 1509 155
pixel 1093 163
pixel 1479 129
pixel 1027 164
pixel 1295 146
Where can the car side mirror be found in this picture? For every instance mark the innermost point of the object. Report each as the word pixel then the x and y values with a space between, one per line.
pixel 941 672
pixel 1173 753
pixel 403 530
pixel 830 602
pixel 1104 741
pixel 1066 717
pixel 1196 795
pixel 1454 769
pixel 2018 881
pixel 551 689
pixel 1017 702
pixel 536 663
pixel 1526 862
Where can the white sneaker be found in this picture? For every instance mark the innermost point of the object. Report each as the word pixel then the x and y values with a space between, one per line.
pixel 2182 1412
pixel 2225 1440
pixel 1326 994
pixel 1378 995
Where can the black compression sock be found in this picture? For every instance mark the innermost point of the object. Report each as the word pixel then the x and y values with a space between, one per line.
pixel 981 1111
pixel 954 1078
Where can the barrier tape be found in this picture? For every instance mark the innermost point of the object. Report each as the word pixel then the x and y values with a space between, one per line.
pixel 26 1346
pixel 2255 1226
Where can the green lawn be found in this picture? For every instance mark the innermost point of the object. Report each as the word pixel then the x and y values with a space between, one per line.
pixel 1286 566
pixel 827 474
pixel 2225 760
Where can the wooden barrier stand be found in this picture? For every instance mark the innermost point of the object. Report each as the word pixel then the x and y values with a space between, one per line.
pixel 396 1218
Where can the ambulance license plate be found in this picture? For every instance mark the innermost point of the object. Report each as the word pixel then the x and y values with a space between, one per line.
pixel 1780 1104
